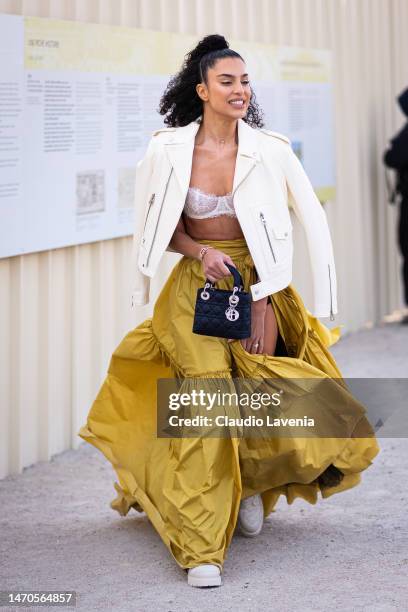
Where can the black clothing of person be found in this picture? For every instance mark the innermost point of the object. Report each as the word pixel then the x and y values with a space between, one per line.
pixel 397 157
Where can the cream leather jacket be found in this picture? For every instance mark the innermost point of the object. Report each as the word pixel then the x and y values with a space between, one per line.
pixel 268 175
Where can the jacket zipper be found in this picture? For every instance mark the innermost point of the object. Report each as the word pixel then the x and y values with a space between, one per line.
pixel 148 210
pixel 158 218
pixel 331 300
pixel 267 235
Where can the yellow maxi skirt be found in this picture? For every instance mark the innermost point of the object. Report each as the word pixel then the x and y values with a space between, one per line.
pixel 191 488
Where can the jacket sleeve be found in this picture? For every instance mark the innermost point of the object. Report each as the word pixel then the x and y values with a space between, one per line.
pixel 141 282
pixel 314 221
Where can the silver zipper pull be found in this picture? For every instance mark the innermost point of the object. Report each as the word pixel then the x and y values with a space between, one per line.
pixel 267 235
pixel 158 217
pixel 151 200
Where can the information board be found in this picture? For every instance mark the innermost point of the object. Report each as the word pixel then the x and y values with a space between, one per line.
pixel 78 104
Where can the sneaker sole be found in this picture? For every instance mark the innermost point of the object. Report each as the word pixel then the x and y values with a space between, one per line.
pixel 195 581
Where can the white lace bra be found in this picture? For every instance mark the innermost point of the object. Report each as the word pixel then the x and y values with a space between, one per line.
pixel 202 205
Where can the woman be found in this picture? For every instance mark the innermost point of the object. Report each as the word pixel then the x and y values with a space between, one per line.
pixel 197 490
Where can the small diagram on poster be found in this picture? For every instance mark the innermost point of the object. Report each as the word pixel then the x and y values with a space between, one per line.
pixel 90 191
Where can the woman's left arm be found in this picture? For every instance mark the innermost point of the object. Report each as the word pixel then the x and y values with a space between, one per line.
pixel 312 216
pixel 259 306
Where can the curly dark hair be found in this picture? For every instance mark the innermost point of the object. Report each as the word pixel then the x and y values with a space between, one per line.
pixel 180 101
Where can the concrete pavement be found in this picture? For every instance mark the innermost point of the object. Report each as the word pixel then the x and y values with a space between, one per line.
pixel 349 552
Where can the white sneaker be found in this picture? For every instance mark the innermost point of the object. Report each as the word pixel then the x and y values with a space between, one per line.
pixel 251 516
pixel 204 575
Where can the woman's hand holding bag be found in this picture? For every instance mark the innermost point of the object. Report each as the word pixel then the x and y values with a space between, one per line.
pixel 220 312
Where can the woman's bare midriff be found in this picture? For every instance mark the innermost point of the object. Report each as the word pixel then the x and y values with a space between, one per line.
pixel 223 227
pixel 213 172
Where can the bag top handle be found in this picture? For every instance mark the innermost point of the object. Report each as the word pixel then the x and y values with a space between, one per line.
pixel 238 282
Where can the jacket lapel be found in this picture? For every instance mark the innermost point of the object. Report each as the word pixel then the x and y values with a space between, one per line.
pixel 180 146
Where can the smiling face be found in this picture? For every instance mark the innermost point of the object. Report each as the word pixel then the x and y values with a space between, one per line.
pixel 228 90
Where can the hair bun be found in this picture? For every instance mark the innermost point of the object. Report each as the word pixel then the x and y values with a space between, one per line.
pixel 212 42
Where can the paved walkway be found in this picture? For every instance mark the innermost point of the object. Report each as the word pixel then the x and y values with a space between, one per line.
pixel 349 552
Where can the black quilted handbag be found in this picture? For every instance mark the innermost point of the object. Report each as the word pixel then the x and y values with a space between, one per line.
pixel 223 313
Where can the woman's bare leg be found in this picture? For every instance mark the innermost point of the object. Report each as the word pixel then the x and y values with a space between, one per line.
pixel 271 331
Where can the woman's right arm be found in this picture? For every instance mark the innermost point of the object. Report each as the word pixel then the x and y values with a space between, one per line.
pixel 214 260
pixel 182 243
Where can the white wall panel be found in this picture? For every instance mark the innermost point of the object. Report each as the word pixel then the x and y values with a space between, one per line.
pixel 62 312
